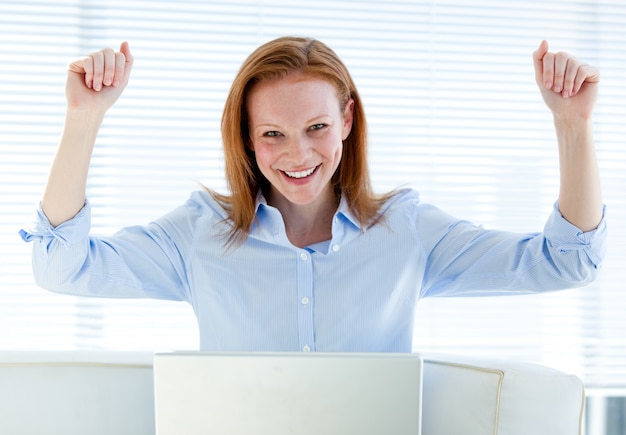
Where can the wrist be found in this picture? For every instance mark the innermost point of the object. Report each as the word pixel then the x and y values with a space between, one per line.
pixel 87 117
pixel 82 125
pixel 572 124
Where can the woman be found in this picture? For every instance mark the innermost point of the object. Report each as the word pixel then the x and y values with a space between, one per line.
pixel 302 255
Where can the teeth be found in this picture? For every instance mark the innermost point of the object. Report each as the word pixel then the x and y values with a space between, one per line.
pixel 300 174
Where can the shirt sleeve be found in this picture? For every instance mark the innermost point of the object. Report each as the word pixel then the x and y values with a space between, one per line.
pixel 468 260
pixel 565 237
pixel 136 262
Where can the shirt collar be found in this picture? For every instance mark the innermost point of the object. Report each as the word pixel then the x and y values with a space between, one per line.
pixel 343 210
pixel 269 224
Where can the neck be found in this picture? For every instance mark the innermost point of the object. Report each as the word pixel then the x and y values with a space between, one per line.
pixel 306 224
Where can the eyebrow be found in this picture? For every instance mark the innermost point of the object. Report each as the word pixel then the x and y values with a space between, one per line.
pixel 309 121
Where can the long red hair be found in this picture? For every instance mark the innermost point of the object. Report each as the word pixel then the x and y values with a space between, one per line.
pixel 272 60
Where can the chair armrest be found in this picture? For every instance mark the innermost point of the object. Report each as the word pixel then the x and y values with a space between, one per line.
pixel 472 396
pixel 76 392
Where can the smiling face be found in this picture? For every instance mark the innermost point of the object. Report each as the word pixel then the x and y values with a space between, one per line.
pixel 296 129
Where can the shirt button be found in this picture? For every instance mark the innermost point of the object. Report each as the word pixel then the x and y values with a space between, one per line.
pixel 335 248
pixel 304 256
pixel 305 301
pixel 306 348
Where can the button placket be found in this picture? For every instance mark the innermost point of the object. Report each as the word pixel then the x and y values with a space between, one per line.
pixel 306 333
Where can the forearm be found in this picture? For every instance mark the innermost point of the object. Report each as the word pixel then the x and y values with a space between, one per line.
pixel 64 194
pixel 569 88
pixel 93 85
pixel 580 198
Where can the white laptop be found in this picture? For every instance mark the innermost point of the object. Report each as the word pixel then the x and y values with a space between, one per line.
pixel 287 393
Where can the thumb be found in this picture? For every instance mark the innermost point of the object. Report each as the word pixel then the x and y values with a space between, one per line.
pixel 125 50
pixel 541 51
pixel 129 60
pixel 538 56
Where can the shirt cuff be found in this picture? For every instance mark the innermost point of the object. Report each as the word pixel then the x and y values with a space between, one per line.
pixel 565 237
pixel 67 233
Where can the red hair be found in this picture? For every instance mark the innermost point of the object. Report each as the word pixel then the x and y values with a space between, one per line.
pixel 272 60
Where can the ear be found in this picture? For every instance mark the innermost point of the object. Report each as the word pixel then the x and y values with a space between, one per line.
pixel 348 117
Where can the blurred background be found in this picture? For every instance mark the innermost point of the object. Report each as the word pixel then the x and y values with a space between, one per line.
pixel 453 112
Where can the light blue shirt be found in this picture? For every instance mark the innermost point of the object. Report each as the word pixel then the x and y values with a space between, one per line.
pixel 356 292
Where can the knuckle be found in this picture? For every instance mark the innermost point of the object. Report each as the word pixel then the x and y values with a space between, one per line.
pixel 97 57
pixel 119 60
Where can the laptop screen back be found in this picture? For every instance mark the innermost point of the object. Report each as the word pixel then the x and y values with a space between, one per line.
pixel 287 393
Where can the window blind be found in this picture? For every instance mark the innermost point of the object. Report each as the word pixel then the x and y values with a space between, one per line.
pixel 453 112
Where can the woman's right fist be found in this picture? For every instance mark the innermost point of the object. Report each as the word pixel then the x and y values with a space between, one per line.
pixel 96 81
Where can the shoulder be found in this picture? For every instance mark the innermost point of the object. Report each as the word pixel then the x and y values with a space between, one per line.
pixel 202 202
pixel 200 209
pixel 405 207
pixel 403 197
pixel 398 201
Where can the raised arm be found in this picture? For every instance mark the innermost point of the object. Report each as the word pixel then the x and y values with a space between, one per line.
pixel 569 89
pixel 93 85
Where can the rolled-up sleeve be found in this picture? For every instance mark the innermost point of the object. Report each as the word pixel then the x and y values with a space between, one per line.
pixel 68 233
pixel 467 260
pixel 136 262
pixel 58 252
pixel 565 238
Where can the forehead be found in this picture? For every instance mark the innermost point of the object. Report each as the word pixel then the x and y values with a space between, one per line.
pixel 294 91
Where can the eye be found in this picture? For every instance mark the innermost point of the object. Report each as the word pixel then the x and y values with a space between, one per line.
pixel 320 126
pixel 271 133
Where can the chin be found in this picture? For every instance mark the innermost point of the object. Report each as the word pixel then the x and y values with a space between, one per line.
pixel 301 200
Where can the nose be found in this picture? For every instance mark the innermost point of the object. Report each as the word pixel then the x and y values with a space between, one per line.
pixel 299 149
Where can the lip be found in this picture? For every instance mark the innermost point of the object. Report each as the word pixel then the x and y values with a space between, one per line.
pixel 302 179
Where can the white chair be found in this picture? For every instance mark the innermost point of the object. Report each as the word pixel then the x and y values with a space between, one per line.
pixel 98 393
pixel 72 393
pixel 471 396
